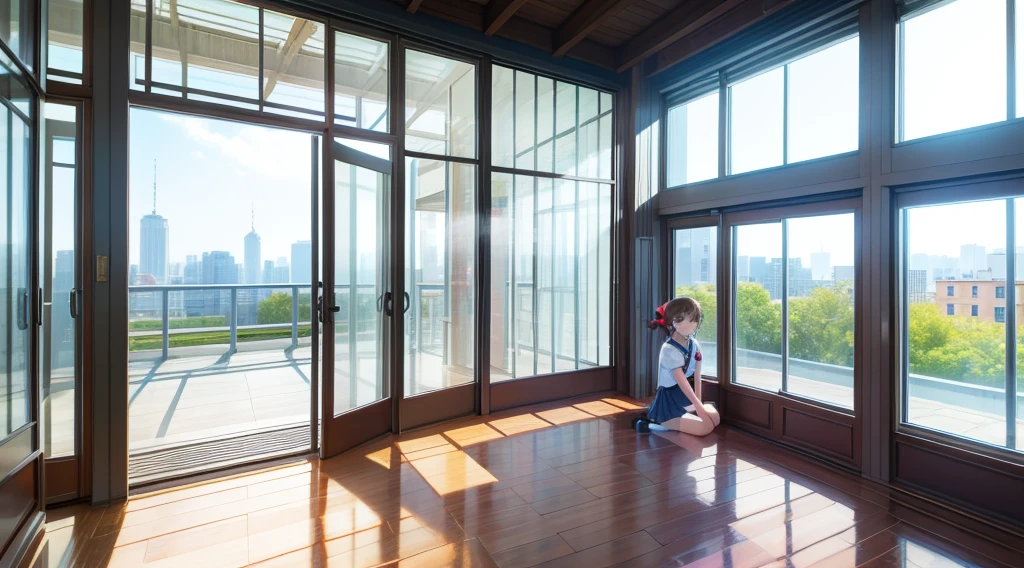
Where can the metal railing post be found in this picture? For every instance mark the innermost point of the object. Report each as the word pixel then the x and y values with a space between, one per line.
pixel 234 320
pixel 166 323
pixel 295 316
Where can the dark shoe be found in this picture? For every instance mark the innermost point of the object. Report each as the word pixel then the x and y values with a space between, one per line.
pixel 642 426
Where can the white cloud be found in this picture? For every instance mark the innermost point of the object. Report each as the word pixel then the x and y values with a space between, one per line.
pixel 254 149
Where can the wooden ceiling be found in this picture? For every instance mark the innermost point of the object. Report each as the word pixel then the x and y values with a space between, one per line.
pixel 615 34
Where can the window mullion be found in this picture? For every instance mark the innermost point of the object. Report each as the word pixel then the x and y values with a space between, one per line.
pixel 1011 64
pixel 1010 318
pixel 785 114
pixel 723 125
pixel 785 306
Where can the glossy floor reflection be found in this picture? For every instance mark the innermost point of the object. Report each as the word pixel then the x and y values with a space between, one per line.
pixel 562 484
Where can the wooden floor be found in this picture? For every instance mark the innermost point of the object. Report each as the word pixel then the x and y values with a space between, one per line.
pixel 566 484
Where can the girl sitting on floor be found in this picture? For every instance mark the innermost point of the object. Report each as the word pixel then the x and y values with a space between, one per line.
pixel 677 404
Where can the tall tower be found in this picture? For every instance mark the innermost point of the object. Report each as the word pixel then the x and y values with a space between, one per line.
pixel 253 266
pixel 154 237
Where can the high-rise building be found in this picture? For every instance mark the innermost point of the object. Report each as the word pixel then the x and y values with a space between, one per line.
pixel 917 287
pixel 302 259
pixel 268 272
pixel 972 260
pixel 758 269
pixel 252 256
pixel 194 302
pixel 842 274
pixel 154 242
pixel 800 282
pixel 694 254
pixel 821 262
pixel 248 299
pixel 742 269
pixel 282 274
pixel 218 268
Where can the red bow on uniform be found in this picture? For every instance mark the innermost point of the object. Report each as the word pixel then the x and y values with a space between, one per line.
pixel 697 356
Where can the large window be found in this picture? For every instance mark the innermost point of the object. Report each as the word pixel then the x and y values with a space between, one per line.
pixel 953 71
pixel 230 53
pixel 693 141
pixel 803 110
pixel 695 274
pixel 957 375
pixel 794 299
pixel 800 110
pixel 550 234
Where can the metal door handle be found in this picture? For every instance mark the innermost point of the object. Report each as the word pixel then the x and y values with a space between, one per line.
pixel 389 308
pixel 73 303
pixel 407 302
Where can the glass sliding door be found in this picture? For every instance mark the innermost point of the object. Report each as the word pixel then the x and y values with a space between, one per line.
pixel 357 305
pixel 60 362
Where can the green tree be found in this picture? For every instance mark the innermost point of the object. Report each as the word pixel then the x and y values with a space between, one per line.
pixel 758 319
pixel 821 326
pixel 277 308
pixel 956 348
pixel 707 297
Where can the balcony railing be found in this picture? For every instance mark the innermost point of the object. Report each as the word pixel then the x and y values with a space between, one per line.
pixel 159 300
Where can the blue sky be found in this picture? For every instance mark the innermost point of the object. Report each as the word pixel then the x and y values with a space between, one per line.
pixel 209 174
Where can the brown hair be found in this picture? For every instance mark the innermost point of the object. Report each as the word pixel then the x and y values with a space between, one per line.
pixel 683 306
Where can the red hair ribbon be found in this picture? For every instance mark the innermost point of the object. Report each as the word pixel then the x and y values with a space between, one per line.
pixel 661 315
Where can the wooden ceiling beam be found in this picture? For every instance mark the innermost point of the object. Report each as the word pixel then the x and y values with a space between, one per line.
pixel 679 23
pixel 587 18
pixel 413 6
pixel 743 16
pixel 498 12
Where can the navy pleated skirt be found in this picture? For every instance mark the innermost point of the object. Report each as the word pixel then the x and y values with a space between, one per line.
pixel 669 403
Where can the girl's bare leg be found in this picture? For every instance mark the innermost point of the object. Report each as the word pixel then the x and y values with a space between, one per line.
pixel 690 424
pixel 713 413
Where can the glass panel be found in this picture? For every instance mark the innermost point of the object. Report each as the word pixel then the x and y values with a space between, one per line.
pixel 545 124
pixel 589 150
pixel 222 199
pixel 360 249
pixel 15 274
pixel 565 128
pixel 361 82
pixel 1018 10
pixel 207 49
pixel 293 65
pixel 526 120
pixel 695 257
pixel 957 381
pixel 17 29
pixel 439 276
pixel 821 307
pixel 756 124
pixel 823 95
pixel 758 294
pixel 954 67
pixel 440 107
pixel 57 341
pixel 564 311
pixel 502 117
pixel 137 50
pixel 64 57
pixel 692 153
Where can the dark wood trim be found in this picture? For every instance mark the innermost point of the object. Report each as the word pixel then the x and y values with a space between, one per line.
pixel 413 6
pixel 680 22
pixel 353 428
pixel 30 539
pixel 499 12
pixel 585 19
pixel 742 15
pixel 19 497
pixel 966 479
pixel 61 481
pixel 482 284
pixel 544 388
pixel 438 406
